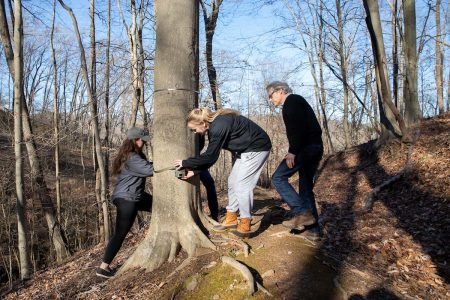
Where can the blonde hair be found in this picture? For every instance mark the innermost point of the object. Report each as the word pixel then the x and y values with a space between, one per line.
pixel 205 115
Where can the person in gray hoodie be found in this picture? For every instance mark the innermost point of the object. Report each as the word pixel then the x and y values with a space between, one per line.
pixel 129 196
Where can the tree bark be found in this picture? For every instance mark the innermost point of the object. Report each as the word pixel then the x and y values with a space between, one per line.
pixel 56 118
pixel 412 109
pixel 22 224
pixel 387 108
pixel 107 77
pixel 439 56
pixel 176 212
pixel 344 71
pixel 93 107
pixel 395 68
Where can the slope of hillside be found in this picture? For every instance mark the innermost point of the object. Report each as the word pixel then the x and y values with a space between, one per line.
pixel 395 250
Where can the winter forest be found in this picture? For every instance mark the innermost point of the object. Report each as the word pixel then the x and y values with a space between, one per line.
pixel 76 75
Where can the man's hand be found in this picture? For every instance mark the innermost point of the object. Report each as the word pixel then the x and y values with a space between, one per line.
pixel 290 160
pixel 178 164
pixel 189 174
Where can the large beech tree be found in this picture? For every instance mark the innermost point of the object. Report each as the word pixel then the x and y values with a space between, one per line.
pixel 177 219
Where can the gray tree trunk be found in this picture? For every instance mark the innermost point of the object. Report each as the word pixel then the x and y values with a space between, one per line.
pixel 439 56
pixel 412 108
pixel 344 71
pixel 56 118
pixel 176 212
pixel 389 114
pixel 93 107
pixel 22 224
pixel 56 233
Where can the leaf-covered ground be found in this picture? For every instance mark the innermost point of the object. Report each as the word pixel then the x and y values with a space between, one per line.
pixel 397 250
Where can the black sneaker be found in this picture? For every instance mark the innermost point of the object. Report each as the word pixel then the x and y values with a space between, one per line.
pixel 104 273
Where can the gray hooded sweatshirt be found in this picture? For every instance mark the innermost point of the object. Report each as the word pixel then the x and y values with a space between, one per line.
pixel 131 179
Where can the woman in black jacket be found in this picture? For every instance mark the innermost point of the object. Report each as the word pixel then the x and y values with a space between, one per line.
pixel 250 146
pixel 128 196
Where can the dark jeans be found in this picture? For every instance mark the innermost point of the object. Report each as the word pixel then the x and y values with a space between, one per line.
pixel 126 214
pixel 208 182
pixel 306 163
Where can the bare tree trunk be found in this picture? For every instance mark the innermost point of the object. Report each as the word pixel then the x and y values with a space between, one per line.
pixel 344 70
pixel 22 225
pixel 448 90
pixel 439 56
pixel 210 27
pixel 395 53
pixel 412 109
pixel 141 64
pixel 56 119
pixel 387 108
pixel 93 107
pixel 176 212
pixel 56 233
pixel 132 40
pixel 323 102
pixel 107 76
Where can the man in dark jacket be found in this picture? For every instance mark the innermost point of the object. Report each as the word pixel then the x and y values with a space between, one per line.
pixel 305 151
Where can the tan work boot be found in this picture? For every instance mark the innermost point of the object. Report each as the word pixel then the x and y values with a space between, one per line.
pixel 244 228
pixel 230 221
pixel 300 220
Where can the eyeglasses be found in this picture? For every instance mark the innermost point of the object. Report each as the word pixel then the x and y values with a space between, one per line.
pixel 271 94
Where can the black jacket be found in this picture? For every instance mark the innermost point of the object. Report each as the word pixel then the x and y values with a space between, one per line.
pixel 302 127
pixel 230 132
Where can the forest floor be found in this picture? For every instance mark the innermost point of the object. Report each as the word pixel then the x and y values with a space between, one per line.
pixel 395 249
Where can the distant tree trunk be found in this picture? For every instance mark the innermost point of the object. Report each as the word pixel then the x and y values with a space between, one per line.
pixel 395 68
pixel 412 109
pixel 56 233
pixel 323 98
pixel 387 108
pixel 93 107
pixel 141 65
pixel 22 224
pixel 439 56
pixel 176 212
pixel 210 28
pixel 448 90
pixel 344 71
pixel 107 76
pixel 132 40
pixel 56 119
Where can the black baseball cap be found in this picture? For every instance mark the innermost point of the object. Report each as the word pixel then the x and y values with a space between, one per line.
pixel 138 133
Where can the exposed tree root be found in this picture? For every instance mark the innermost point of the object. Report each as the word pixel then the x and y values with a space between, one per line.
pixel 247 275
pixel 368 203
pixel 340 288
pixel 244 271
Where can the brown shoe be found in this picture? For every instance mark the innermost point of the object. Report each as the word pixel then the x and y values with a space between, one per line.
pixel 244 228
pixel 300 221
pixel 230 221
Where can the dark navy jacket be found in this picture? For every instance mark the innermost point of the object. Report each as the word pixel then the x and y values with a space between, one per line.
pixel 131 179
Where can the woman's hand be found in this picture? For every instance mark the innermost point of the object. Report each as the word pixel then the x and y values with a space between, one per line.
pixel 178 164
pixel 189 174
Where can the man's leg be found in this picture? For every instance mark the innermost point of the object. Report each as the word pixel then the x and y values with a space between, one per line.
pixel 280 179
pixel 310 161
